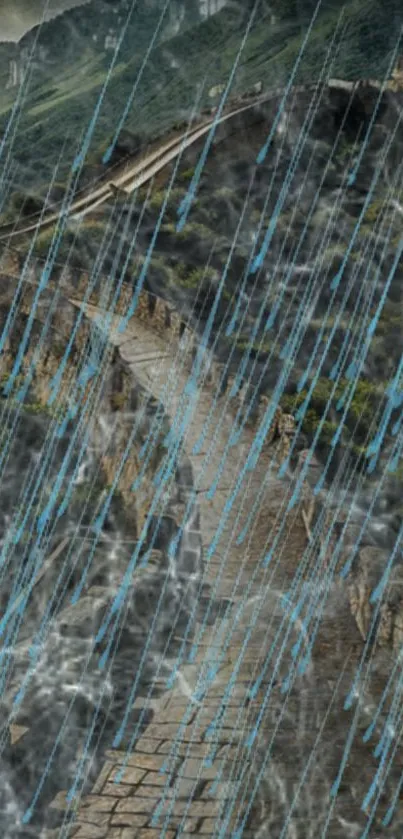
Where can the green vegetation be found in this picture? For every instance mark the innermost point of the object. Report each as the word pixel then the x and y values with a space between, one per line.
pixel 37 408
pixel 196 277
pixel 5 377
pixel 367 396
pixel 44 242
pixel 391 318
pixel 164 93
pixel 187 175
pixel 62 102
pixel 192 228
pixel 254 348
pixel 118 400
pixel 87 493
pixel 374 211
pixel 159 273
pixel 157 199
pixel 91 232
pixel 29 405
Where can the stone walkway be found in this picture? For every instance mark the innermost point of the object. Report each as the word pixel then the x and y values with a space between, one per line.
pixel 187 773
pixel 193 769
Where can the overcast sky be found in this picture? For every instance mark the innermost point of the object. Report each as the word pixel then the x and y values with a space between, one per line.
pixel 17 16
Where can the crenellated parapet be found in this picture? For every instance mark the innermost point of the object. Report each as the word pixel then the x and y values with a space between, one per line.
pixel 70 370
pixel 173 326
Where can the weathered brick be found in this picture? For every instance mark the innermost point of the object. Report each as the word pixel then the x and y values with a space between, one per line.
pixel 184 788
pixel 69 832
pixel 189 826
pixel 59 802
pixel 225 734
pixel 182 749
pixel 98 803
pixel 131 776
pixel 143 761
pixel 208 713
pixel 123 833
pixel 213 826
pixel 129 819
pixel 168 730
pixel 179 823
pixel 115 755
pixel 194 809
pixel 148 745
pixel 150 833
pixel 187 834
pixel 222 790
pixel 176 713
pixel 228 752
pixel 150 792
pixel 102 777
pixel 117 790
pixel 195 768
pixel 158 779
pixel 219 690
pixel 94 817
pixel 136 804
pixel 91 831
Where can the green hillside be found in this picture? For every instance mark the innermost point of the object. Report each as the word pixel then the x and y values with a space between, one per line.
pixel 62 106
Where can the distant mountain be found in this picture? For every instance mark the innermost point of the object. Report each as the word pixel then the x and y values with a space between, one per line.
pixel 19 16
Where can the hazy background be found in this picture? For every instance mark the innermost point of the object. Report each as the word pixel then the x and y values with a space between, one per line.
pixel 17 16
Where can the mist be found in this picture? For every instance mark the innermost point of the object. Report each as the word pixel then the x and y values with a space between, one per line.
pixel 18 16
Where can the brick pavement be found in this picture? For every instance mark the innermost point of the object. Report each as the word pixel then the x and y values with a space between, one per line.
pixel 187 772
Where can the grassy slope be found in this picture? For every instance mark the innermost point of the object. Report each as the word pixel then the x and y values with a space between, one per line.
pixel 164 93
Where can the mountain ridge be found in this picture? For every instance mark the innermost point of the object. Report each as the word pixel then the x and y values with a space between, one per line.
pixel 177 76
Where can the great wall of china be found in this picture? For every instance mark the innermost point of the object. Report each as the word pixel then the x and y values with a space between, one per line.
pixel 191 787
pixel 188 775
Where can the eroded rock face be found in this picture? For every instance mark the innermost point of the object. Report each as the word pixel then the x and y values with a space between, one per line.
pixel 376 596
pixel 314 710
